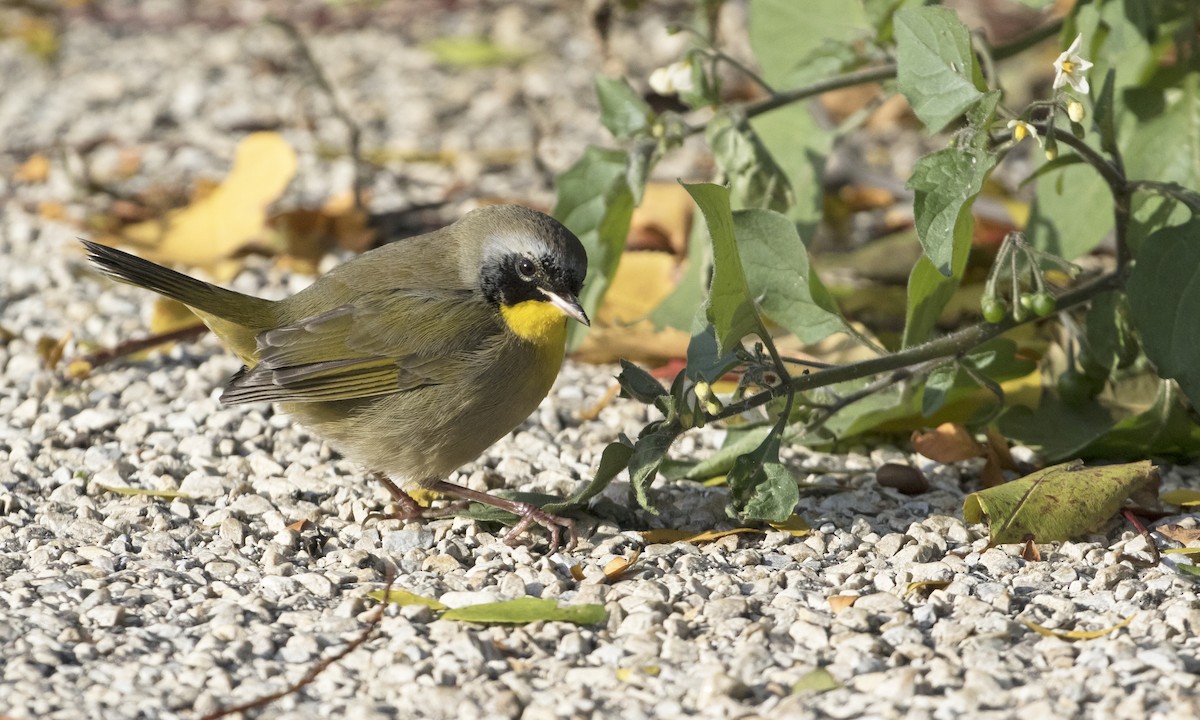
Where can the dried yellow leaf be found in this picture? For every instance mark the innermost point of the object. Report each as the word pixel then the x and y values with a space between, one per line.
pixel 1077 634
pixel 923 585
pixel 668 535
pixel 614 569
pixel 231 216
pixel 34 170
pixel 1182 497
pixel 838 603
pixel 794 526
pixel 51 351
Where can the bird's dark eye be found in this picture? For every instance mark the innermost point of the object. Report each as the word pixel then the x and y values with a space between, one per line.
pixel 526 268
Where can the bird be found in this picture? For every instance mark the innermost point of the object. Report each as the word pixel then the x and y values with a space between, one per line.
pixel 410 359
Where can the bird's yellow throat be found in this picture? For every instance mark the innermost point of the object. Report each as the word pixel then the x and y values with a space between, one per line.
pixel 536 321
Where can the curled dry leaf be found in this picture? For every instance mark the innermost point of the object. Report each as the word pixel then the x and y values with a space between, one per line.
pixel 948 443
pixel 616 568
pixel 1059 503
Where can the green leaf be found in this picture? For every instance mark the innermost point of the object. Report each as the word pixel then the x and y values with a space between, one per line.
pixel 595 203
pixel 1164 303
pixel 945 184
pixel 736 445
pixel 730 307
pixel 1104 329
pixel 1056 224
pixel 678 310
pixel 935 66
pixel 705 360
pixel 403 598
pixel 901 407
pixel 792 39
pixel 775 262
pixel 526 610
pixel 613 460
pixel 760 487
pixel 648 453
pixel 1062 502
pixel 639 384
pixel 1104 111
pixel 622 110
pixel 1062 161
pixel 1165 430
pixel 1057 429
pixel 938 386
pixel 799 145
pixel 928 293
pixel 1166 148
pixel 755 179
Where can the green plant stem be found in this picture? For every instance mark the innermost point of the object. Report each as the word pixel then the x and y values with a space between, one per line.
pixel 958 343
pixel 878 73
pixel 1172 190
pixel 1028 40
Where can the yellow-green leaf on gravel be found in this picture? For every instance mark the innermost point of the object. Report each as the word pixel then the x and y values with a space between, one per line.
pixel 1059 503
pixel 527 610
pixel 1181 497
pixel 468 52
pixel 1077 634
pixel 404 597
pixel 816 681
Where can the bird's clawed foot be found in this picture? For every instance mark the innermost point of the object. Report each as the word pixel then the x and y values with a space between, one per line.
pixel 527 513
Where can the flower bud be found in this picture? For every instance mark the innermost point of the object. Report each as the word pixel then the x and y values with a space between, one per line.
pixel 1075 111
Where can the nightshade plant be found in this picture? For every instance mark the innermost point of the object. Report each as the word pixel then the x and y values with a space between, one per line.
pixel 1119 158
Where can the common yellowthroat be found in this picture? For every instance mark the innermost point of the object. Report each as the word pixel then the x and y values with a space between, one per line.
pixel 410 359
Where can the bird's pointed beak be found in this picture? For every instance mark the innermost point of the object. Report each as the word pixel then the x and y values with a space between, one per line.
pixel 569 304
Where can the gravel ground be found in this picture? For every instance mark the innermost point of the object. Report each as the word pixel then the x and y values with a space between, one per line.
pixel 116 606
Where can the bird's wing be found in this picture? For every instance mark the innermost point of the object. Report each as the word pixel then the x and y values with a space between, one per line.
pixel 383 343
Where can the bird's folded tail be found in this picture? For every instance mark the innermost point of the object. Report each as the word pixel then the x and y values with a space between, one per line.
pixel 238 308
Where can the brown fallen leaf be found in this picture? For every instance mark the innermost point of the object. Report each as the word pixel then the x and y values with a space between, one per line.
pixel 948 443
pixel 1029 551
pixel 1178 533
pixel 838 603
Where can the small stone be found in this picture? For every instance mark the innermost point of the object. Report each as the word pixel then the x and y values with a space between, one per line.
pixel 106 616
pixel 408 539
pixel 316 584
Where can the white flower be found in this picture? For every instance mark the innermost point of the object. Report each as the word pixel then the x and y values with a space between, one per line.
pixel 1021 130
pixel 1070 69
pixel 673 79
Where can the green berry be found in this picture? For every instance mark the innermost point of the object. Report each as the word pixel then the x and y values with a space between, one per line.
pixel 1043 304
pixel 994 309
